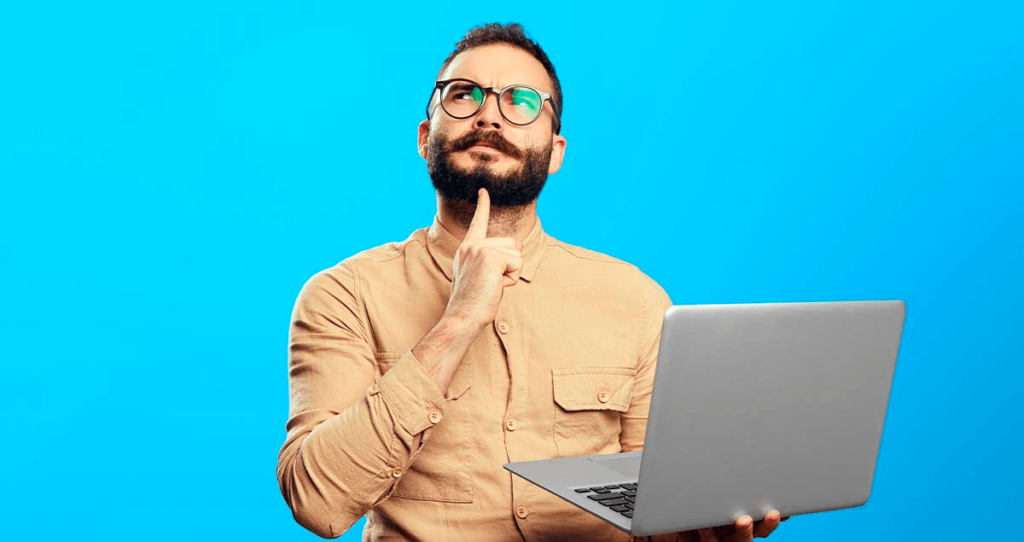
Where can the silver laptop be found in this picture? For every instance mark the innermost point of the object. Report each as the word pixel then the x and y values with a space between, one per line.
pixel 755 407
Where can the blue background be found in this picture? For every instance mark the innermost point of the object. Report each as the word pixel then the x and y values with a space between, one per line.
pixel 173 172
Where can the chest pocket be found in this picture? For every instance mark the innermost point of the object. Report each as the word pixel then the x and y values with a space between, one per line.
pixel 440 471
pixel 588 402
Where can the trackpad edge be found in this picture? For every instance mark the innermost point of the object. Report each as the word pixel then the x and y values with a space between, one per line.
pixel 626 466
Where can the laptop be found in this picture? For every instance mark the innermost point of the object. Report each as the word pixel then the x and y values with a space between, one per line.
pixel 755 407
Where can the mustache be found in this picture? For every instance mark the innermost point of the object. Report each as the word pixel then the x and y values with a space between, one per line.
pixel 486 136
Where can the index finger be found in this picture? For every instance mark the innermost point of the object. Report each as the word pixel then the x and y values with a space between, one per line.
pixel 478 227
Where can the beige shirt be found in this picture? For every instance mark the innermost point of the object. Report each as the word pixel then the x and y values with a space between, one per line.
pixel 566 369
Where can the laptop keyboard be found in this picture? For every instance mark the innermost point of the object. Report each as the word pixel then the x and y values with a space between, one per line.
pixel 617 497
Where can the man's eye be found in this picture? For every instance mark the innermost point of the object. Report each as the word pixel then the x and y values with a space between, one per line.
pixel 466 92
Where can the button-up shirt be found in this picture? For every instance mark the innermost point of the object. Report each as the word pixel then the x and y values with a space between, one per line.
pixel 566 369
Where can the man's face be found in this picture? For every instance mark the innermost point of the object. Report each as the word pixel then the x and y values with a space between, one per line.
pixel 486 150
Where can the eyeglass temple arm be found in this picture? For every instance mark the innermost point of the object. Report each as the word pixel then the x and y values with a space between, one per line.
pixel 431 100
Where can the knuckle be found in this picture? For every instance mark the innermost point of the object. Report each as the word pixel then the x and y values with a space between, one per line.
pixel 473 250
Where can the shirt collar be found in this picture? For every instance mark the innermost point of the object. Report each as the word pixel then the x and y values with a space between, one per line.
pixel 442 246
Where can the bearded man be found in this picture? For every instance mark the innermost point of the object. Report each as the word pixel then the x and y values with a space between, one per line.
pixel 417 369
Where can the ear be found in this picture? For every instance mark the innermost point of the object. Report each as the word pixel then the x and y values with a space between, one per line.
pixel 424 132
pixel 557 154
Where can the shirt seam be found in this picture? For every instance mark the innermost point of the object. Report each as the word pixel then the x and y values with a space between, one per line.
pixel 607 259
pixel 403 246
pixel 358 290
pixel 641 299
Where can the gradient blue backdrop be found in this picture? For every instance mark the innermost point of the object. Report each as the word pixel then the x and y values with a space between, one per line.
pixel 173 172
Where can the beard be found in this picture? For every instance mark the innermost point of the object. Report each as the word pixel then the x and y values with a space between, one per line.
pixel 516 188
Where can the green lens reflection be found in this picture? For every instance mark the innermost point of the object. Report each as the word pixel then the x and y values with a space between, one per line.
pixel 526 101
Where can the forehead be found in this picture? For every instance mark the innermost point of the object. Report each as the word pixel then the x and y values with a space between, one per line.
pixel 499 65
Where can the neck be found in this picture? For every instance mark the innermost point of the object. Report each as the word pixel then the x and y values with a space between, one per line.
pixel 515 222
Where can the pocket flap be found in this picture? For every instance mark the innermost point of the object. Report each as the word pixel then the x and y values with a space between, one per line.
pixel 593 388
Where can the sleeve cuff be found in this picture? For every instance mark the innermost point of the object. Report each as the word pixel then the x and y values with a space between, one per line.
pixel 412 395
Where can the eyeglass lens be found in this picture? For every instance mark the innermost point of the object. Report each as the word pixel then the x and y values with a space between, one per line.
pixel 520 105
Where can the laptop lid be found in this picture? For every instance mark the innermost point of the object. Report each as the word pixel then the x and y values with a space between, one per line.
pixel 762 406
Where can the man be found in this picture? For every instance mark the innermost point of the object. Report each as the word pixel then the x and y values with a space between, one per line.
pixel 417 369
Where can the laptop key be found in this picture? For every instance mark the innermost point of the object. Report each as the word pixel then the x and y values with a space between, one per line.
pixel 599 489
pixel 611 487
pixel 614 502
pixel 583 490
pixel 627 514
pixel 628 486
pixel 630 498
pixel 606 497
pixel 620 508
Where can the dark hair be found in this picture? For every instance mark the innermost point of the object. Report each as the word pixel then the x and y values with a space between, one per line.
pixel 514 35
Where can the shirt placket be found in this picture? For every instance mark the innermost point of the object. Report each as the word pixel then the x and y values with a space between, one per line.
pixel 516 420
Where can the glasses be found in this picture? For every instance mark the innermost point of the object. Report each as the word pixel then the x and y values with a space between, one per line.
pixel 462 98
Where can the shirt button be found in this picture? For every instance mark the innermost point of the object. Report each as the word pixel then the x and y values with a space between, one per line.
pixel 510 425
pixel 521 512
pixel 603 397
pixel 503 327
pixel 397 472
pixel 434 416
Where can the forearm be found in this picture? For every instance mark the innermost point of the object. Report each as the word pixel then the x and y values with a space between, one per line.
pixel 442 349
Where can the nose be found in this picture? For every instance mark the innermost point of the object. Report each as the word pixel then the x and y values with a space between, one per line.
pixel 489 116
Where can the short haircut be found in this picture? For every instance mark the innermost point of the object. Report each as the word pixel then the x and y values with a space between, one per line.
pixel 514 35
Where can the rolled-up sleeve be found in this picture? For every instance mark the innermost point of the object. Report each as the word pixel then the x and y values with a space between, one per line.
pixel 351 432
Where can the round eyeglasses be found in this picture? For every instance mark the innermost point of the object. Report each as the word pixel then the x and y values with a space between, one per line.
pixel 462 98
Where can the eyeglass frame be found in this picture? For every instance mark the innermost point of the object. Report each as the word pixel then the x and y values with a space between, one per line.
pixel 544 96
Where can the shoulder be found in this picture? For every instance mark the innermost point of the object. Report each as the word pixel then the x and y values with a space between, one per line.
pixel 597 265
pixel 339 280
pixel 388 253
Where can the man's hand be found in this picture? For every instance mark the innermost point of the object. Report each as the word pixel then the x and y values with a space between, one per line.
pixel 483 268
pixel 745 529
